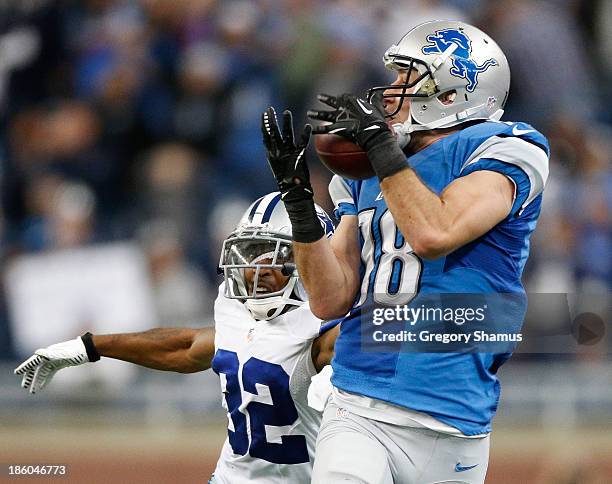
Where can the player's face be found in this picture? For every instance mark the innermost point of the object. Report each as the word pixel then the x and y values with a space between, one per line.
pixel 270 280
pixel 391 103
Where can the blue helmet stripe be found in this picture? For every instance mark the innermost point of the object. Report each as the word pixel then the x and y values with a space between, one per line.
pixel 254 208
pixel 271 206
pixel 264 208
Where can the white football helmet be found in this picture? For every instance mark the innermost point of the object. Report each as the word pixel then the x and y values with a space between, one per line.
pixel 451 57
pixel 262 240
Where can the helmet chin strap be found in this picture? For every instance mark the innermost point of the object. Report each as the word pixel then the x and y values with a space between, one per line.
pixel 266 308
pixel 404 130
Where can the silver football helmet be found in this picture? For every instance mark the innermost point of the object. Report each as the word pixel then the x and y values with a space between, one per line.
pixel 458 64
pixel 262 240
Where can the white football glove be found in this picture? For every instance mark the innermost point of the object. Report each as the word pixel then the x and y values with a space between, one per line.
pixel 40 368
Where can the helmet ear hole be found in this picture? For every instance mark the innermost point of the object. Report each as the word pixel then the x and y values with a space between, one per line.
pixel 448 97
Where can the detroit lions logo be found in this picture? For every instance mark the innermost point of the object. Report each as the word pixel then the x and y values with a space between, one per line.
pixel 463 65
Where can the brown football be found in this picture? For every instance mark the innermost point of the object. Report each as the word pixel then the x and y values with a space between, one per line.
pixel 343 157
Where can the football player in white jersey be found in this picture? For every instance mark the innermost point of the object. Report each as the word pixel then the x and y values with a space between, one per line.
pixel 266 346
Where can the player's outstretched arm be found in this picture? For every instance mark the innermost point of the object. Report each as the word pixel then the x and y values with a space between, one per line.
pixel 183 350
pixel 329 271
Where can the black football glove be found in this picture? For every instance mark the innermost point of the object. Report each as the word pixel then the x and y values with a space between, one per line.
pixel 288 163
pixel 353 118
pixel 362 122
pixel 286 158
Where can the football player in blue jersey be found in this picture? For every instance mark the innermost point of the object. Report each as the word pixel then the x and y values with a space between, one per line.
pixel 455 199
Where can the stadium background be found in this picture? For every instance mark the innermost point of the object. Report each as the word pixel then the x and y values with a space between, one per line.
pixel 129 146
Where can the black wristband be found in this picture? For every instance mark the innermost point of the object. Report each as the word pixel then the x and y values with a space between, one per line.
pixel 305 224
pixel 92 352
pixel 387 158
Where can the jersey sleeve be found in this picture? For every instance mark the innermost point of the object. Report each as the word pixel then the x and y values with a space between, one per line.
pixel 524 161
pixel 220 299
pixel 342 194
pixel 327 325
pixel 304 324
pixel 226 309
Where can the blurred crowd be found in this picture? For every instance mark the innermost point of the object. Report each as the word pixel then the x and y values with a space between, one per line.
pixel 136 123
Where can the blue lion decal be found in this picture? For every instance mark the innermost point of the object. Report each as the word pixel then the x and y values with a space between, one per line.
pixel 463 65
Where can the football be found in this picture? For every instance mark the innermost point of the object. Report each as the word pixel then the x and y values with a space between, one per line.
pixel 343 157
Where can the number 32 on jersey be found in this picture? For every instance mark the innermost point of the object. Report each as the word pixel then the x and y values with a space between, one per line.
pixel 256 375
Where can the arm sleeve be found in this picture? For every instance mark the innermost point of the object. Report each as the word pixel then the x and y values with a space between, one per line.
pixel 341 194
pixel 524 163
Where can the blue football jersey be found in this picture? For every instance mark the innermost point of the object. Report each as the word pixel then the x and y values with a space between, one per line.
pixel 459 389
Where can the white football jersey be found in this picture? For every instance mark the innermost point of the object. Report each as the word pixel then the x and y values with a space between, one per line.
pixel 265 369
